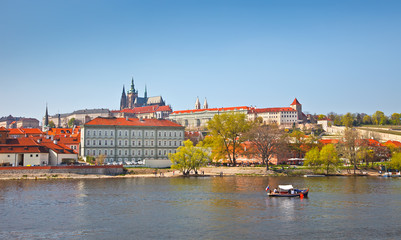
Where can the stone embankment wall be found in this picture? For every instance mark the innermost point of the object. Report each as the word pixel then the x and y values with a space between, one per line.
pixel 100 170
pixel 366 134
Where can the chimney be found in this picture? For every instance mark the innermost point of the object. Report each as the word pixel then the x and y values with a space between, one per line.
pixel 126 118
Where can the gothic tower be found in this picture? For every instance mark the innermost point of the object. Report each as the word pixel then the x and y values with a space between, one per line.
pixel 132 95
pixel 46 118
pixel 123 101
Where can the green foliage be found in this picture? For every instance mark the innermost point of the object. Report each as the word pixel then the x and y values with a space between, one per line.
pixel 329 157
pixel 229 129
pixel 347 120
pixel 395 119
pixel 395 162
pixel 51 124
pixel 71 122
pixel 190 157
pixel 379 118
pixel 312 158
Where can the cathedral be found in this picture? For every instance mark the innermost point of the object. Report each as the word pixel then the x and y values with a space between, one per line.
pixel 132 100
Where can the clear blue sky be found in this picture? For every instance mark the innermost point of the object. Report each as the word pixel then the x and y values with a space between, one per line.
pixel 339 55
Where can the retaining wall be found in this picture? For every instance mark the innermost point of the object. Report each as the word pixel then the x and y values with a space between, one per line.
pixel 100 170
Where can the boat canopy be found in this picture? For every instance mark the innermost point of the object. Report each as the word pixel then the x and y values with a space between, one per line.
pixel 285 187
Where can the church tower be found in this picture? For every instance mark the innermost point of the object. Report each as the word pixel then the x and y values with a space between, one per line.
pixel 197 104
pixel 205 105
pixel 297 107
pixel 132 95
pixel 46 118
pixel 123 101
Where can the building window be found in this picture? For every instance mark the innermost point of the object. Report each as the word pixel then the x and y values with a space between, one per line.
pixel 126 143
pixel 100 152
pixel 133 133
pixel 89 133
pixel 119 142
pixel 146 152
pixel 119 133
pixel 100 133
pixel 169 134
pixel 133 143
pixel 94 133
pixel 160 143
pixel 133 152
pixel 88 142
pixel 100 142
pixel 139 143
pixel 165 143
pixel 105 152
pixel 119 152
pixel 111 142
pixel 165 134
pixel 94 152
pixel 105 133
pixel 111 133
pixel 146 133
pixel 94 142
pixel 126 133
pixel 160 134
pixel 160 152
pixel 88 152
pixel 151 143
pixel 151 152
pixel 126 152
pixel 105 142
pixel 139 152
pixel 111 152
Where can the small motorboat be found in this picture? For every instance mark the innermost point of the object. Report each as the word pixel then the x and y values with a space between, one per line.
pixel 288 191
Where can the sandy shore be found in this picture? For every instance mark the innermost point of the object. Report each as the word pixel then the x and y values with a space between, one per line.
pixel 161 173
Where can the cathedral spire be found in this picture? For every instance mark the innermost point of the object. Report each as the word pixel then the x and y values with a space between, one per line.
pixel 46 117
pixel 146 93
pixel 132 90
pixel 123 101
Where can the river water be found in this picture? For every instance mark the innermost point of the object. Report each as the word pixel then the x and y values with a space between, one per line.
pixel 200 208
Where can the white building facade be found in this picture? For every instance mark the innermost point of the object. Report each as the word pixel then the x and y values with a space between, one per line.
pixel 131 140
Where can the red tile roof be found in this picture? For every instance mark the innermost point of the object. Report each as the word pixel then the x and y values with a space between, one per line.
pixel 213 109
pixel 3 129
pixel 329 141
pixel 23 131
pixel 15 131
pixel 23 149
pixel 164 109
pixel 132 122
pixel 295 102
pixel 63 131
pixel 393 143
pixel 283 109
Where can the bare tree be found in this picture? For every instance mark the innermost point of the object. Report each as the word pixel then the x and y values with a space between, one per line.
pixel 349 145
pixel 266 141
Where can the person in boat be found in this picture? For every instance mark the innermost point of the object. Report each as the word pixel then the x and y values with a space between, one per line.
pixel 275 190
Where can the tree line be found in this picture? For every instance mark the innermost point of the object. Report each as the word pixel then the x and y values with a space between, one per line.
pixel 358 119
pixel 231 135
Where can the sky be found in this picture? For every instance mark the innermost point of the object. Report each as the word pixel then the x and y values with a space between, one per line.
pixel 333 56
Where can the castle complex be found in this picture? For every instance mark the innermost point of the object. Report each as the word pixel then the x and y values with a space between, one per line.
pixel 132 99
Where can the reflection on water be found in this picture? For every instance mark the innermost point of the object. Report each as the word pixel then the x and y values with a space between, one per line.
pixel 199 208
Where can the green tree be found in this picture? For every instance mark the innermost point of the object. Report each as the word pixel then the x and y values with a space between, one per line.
pixel 51 124
pixel 229 129
pixel 379 118
pixel 329 157
pixel 395 162
pixel 266 141
pixel 71 122
pixel 347 120
pixel 396 119
pixel 312 158
pixel 367 120
pixel 189 157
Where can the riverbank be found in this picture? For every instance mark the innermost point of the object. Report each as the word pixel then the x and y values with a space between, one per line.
pixel 162 173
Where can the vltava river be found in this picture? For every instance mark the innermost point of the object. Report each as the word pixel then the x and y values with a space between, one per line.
pixel 200 208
